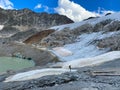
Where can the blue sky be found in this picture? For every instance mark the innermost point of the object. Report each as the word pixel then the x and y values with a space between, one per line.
pixel 71 8
pixel 91 5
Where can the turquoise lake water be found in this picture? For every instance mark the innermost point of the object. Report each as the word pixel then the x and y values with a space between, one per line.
pixel 12 63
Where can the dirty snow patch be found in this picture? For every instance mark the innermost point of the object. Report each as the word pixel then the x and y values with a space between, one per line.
pixel 84 47
pixel 110 56
pixel 60 51
pixel 34 74
pixel 1 27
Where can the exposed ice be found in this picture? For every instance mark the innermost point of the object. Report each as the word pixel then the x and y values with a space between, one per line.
pixel 84 46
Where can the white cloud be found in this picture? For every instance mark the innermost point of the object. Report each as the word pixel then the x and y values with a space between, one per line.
pixel 103 12
pixel 73 10
pixel 46 8
pixel 6 4
pixel 38 6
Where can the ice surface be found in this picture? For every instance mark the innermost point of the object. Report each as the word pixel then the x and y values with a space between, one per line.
pixel 84 46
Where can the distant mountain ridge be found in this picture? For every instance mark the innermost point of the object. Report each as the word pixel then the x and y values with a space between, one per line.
pixel 17 25
pixel 26 17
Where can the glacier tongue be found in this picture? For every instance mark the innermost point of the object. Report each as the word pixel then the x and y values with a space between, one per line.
pixel 84 47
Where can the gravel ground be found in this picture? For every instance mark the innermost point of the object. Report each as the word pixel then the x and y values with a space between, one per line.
pixel 80 80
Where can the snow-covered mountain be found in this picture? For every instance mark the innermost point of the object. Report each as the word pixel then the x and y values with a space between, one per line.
pixel 85 39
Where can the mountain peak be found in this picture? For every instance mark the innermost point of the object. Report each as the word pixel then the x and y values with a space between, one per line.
pixel 26 17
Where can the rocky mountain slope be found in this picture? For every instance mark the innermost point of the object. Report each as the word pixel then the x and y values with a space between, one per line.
pixel 15 23
pixel 99 35
pixel 34 39
pixel 26 17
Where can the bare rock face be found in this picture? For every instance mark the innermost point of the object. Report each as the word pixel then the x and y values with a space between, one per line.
pixel 113 26
pixel 9 30
pixel 65 36
pixel 99 26
pixel 16 35
pixel 26 17
pixel 19 24
pixel 57 38
pixel 21 36
pixel 113 43
pixel 34 39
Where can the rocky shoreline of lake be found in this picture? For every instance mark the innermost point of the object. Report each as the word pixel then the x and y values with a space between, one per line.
pixel 82 79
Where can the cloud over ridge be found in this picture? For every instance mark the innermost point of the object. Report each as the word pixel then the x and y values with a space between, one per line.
pixel 73 10
pixel 38 6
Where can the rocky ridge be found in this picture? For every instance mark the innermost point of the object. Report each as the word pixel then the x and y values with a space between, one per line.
pixel 26 17
pixel 18 22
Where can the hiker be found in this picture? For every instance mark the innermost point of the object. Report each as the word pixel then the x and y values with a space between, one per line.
pixel 70 67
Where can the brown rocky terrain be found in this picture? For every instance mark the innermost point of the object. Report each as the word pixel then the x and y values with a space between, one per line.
pixel 34 39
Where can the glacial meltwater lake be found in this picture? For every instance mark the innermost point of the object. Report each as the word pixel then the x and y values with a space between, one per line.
pixel 12 63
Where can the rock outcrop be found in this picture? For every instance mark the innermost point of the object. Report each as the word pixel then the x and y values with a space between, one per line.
pixel 45 81
pixel 26 17
pixel 113 43
pixel 18 25
pixel 36 38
